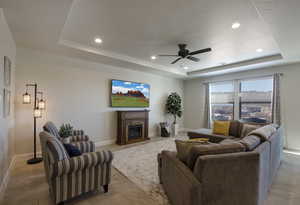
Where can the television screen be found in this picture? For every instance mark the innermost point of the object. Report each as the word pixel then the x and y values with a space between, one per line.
pixel 129 94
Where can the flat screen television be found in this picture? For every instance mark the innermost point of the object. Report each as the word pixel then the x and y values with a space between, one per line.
pixel 129 94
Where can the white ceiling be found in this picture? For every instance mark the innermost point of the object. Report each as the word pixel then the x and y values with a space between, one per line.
pixel 134 30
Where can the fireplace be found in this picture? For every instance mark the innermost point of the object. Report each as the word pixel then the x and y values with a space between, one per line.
pixel 132 126
pixel 134 132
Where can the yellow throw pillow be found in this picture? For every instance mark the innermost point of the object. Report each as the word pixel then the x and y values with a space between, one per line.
pixel 221 128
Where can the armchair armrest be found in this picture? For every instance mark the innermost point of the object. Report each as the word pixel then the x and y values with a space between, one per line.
pixel 85 146
pixel 82 162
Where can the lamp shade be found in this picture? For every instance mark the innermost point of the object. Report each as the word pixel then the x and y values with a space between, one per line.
pixel 37 113
pixel 42 104
pixel 26 98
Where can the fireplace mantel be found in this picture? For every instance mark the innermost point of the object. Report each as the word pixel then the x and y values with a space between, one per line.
pixel 133 126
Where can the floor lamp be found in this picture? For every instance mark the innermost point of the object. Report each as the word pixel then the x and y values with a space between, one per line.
pixel 39 105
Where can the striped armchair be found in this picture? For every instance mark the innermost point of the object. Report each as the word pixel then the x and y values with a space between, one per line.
pixel 70 177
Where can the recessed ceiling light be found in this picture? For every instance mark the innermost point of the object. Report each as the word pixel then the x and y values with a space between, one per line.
pixel 259 50
pixel 185 67
pixel 235 25
pixel 153 57
pixel 98 40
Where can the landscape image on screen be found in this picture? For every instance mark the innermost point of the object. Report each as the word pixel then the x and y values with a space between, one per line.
pixel 129 94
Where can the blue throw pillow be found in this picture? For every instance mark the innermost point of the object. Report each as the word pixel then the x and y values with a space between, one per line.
pixel 72 150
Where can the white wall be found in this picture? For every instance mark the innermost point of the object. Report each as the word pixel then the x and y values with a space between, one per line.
pixel 7 48
pixel 78 92
pixel 194 97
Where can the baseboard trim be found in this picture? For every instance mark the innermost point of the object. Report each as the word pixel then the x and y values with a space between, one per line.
pixel 292 151
pixel 105 142
pixel 6 178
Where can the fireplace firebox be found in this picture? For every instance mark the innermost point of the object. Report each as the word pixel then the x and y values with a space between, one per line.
pixel 132 126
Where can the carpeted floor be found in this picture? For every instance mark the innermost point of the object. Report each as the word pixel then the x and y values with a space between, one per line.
pixel 139 164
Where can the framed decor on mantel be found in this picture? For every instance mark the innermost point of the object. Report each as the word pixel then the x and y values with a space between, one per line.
pixel 7 71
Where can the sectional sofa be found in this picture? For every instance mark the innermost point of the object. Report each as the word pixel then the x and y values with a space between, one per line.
pixel 237 178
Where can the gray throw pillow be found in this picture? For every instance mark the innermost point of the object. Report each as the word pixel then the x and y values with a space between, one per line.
pixel 250 142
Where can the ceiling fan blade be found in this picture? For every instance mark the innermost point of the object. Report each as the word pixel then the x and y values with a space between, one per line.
pixel 193 58
pixel 175 61
pixel 200 51
pixel 166 55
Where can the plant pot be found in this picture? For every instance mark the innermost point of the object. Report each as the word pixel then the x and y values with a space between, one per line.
pixel 66 140
pixel 175 129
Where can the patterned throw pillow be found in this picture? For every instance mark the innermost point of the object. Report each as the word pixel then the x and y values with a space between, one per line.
pixel 221 127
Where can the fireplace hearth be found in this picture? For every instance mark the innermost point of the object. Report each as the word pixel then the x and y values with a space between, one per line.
pixel 132 126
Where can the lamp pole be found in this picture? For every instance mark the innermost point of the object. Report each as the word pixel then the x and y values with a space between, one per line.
pixel 36 114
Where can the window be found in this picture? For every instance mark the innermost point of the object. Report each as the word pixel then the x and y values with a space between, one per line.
pixel 256 100
pixel 222 101
pixel 248 100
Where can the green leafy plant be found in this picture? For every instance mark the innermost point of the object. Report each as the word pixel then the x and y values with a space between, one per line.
pixel 173 105
pixel 65 130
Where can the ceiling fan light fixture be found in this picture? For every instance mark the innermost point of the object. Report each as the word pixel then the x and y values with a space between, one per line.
pixel 185 67
pixel 235 25
pixel 153 57
pixel 98 40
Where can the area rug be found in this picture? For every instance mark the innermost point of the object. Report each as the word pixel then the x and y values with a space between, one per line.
pixel 139 164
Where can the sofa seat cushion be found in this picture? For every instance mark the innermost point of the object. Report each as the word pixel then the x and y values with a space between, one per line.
pixel 250 142
pixel 207 133
pixel 265 132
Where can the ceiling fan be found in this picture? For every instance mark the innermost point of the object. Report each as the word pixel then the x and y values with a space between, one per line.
pixel 185 53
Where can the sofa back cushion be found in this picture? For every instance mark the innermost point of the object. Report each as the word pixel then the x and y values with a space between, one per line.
pixel 183 148
pixel 221 127
pixel 189 152
pixel 234 129
pixel 250 142
pixel 265 132
pixel 247 128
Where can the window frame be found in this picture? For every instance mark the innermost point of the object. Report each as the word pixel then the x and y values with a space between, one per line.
pixel 237 101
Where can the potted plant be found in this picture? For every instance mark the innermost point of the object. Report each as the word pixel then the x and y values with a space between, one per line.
pixel 173 107
pixel 65 131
